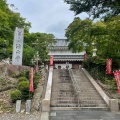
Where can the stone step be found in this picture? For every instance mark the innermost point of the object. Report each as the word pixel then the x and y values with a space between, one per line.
pixel 93 105
pixel 92 98
pixel 69 101
pixel 76 105
pixel 64 89
pixel 91 101
pixel 64 105
pixel 80 101
pixel 86 90
pixel 58 92
pixel 62 85
pixel 89 94
pixel 73 98
pixel 63 96
pixel 79 108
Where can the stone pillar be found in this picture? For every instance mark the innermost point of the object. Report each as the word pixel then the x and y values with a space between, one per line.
pixel 18 105
pixel 113 104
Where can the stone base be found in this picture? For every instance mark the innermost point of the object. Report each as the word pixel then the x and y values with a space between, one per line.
pixel 46 105
pixel 113 104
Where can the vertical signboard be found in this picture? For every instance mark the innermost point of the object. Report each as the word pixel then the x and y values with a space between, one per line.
pixel 51 60
pixel 18 46
pixel 109 66
pixel 117 78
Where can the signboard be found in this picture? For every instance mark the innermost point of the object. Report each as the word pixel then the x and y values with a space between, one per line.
pixel 18 46
pixel 109 66
pixel 31 80
pixel 117 78
pixel 51 60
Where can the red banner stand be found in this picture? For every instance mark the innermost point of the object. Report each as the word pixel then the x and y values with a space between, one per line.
pixel 109 66
pixel 31 80
pixel 51 60
pixel 117 78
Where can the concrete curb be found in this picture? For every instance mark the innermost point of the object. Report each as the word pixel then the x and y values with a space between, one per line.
pixel 44 116
pixel 46 100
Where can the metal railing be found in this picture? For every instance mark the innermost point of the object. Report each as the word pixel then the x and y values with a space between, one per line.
pixel 74 85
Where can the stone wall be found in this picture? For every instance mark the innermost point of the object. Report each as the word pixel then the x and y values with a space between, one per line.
pixel 9 69
pixel 14 69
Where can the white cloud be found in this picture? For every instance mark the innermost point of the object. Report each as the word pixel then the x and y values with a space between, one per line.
pixel 58 29
pixel 51 16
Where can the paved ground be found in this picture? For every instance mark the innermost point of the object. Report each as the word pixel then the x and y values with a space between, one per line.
pixel 20 116
pixel 84 115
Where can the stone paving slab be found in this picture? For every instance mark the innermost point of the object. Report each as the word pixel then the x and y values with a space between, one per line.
pixel 85 115
pixel 44 116
pixel 20 116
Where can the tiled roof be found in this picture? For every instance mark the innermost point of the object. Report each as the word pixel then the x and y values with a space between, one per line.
pixel 61 42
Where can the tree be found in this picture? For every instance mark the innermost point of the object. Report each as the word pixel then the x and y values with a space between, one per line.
pixel 33 42
pixel 40 42
pixel 95 7
pixel 9 20
pixel 78 34
pixel 28 53
pixel 105 34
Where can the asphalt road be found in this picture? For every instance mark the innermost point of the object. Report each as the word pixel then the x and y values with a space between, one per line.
pixel 84 115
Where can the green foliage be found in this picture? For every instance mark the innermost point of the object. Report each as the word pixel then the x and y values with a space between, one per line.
pixel 28 53
pixel 111 83
pixel 27 74
pixel 9 20
pixel 40 42
pixel 21 79
pixel 78 34
pixel 114 85
pixel 36 81
pixel 24 88
pixel 105 34
pixel 95 7
pixel 22 74
pixel 15 95
pixel 14 74
pixel 97 68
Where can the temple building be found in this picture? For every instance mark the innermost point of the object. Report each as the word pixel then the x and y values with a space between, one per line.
pixel 63 57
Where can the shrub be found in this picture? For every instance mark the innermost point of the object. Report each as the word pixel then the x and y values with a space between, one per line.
pixel 36 81
pixel 15 95
pixel 27 74
pixel 21 79
pixel 14 74
pixel 22 74
pixel 24 88
pixel 114 85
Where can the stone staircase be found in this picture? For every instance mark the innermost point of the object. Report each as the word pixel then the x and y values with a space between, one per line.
pixel 63 93
pixel 88 96
pixel 71 89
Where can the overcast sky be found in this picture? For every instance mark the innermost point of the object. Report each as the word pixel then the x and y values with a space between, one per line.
pixel 46 16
